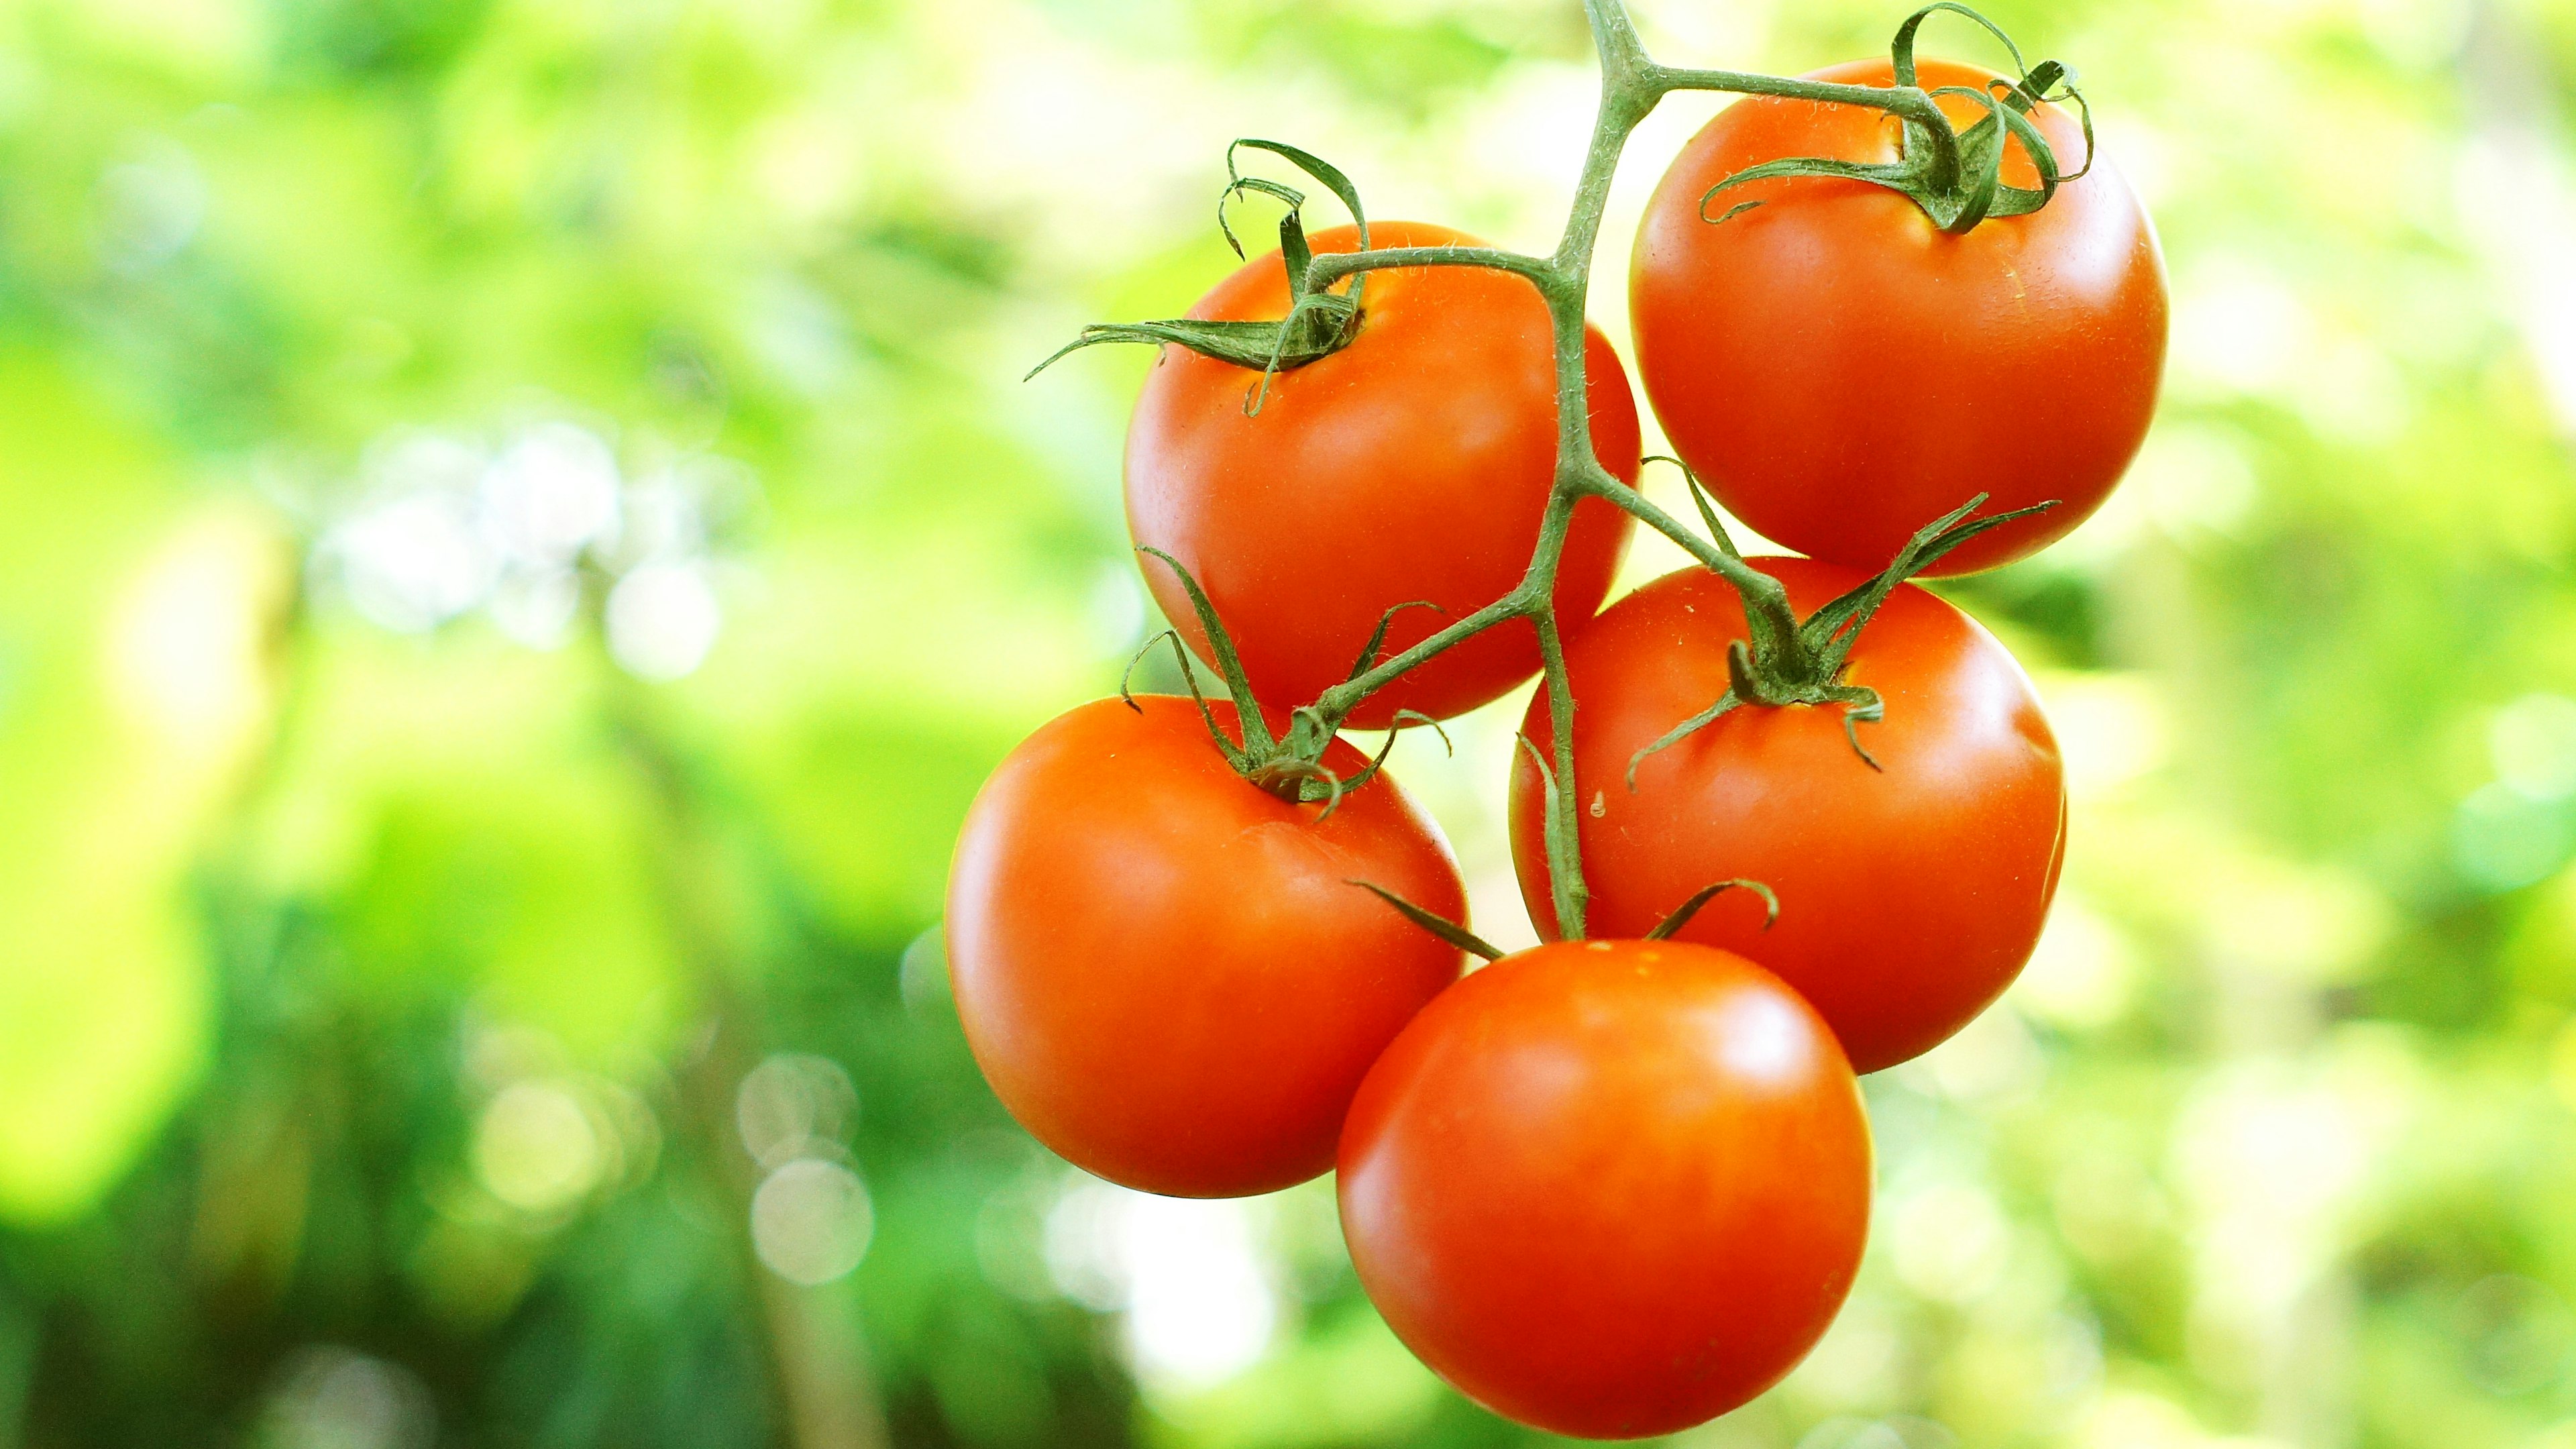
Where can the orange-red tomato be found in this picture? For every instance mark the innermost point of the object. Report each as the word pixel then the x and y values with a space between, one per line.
pixel 1413 464
pixel 1612 1188
pixel 1164 971
pixel 1841 372
pixel 1910 896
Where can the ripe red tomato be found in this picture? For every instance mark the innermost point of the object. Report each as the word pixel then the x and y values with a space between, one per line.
pixel 1910 896
pixel 1413 464
pixel 1841 372
pixel 1163 970
pixel 1611 1188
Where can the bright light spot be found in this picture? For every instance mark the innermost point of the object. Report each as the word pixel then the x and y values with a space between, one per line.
pixel 794 1105
pixel 662 620
pixel 1529 127
pixel 2193 480
pixel 1199 1303
pixel 2240 329
pixel 150 207
pixel 333 1398
pixel 2517 201
pixel 1200 1309
pixel 1115 612
pixel 2503 840
pixel 2111 731
pixel 2082 971
pixel 2273 1160
pixel 188 637
pixel 420 461
pixel 2297 1153
pixel 1762 1037
pixel 551 493
pixel 536 1147
pixel 811 1221
pixel 2533 743
pixel 2141 153
pixel 415 561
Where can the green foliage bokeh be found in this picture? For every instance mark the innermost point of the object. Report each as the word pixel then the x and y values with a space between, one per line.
pixel 410 949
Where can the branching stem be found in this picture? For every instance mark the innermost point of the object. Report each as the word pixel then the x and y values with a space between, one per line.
pixel 1784 661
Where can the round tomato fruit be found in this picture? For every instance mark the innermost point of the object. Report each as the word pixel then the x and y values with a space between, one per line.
pixel 1910 895
pixel 1164 970
pixel 1412 465
pixel 1609 1188
pixel 1840 371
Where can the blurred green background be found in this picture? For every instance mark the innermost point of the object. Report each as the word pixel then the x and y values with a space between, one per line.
pixel 520 532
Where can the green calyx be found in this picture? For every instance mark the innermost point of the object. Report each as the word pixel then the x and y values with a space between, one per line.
pixel 1289 766
pixel 1320 321
pixel 1956 177
pixel 1785 660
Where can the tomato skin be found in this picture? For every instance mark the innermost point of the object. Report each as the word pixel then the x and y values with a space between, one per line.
pixel 1413 464
pixel 1909 897
pixel 1609 1189
pixel 1841 372
pixel 1162 969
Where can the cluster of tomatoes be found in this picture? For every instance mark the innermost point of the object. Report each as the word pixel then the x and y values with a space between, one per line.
pixel 1610 1186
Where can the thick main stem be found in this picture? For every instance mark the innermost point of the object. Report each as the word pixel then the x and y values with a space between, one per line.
pixel 1632 84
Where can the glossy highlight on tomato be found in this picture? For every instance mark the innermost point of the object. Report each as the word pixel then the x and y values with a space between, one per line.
pixel 1412 465
pixel 1910 895
pixel 1164 971
pixel 1609 1189
pixel 1840 372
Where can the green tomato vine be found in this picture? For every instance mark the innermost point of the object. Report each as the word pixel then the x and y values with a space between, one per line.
pixel 1954 176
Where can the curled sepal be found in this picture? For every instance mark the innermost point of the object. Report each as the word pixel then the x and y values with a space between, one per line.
pixel 1289 778
pixel 1307 161
pixel 1699 498
pixel 1320 321
pixel 1256 730
pixel 1419 717
pixel 1447 930
pixel 1860 706
pixel 1233 753
pixel 1739 664
pixel 1370 771
pixel 1251 345
pixel 1377 640
pixel 1955 177
pixel 2039 83
pixel 1832 630
pixel 1682 913
pixel 1556 829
